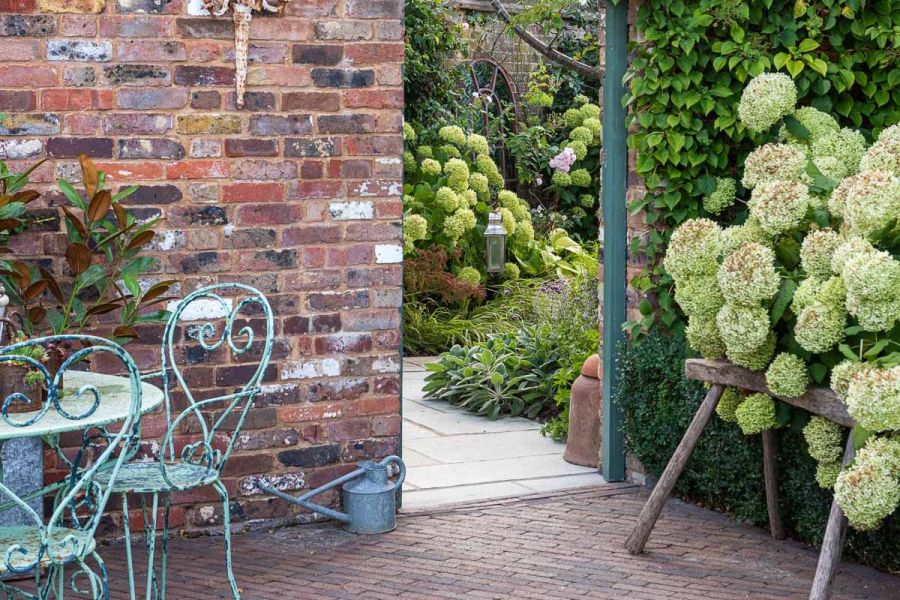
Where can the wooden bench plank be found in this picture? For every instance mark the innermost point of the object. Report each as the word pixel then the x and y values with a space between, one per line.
pixel 817 399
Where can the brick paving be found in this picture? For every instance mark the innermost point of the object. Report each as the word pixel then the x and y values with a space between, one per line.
pixel 562 545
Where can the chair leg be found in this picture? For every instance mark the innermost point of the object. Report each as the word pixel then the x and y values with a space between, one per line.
pixel 226 520
pixel 104 576
pixel 126 524
pixel 151 545
pixel 164 563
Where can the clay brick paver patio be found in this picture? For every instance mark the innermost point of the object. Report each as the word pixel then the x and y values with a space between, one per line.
pixel 565 545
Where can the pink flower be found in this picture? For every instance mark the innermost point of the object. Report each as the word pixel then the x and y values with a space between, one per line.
pixel 563 161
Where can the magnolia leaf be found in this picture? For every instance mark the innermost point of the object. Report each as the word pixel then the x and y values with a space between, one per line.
pixel 36 314
pixel 9 224
pixel 79 257
pixel 89 175
pixel 75 221
pixel 52 285
pixel 157 290
pixel 92 275
pixel 99 205
pixel 102 309
pixel 121 215
pixel 26 196
pixel 126 331
pixel 34 290
pixel 140 239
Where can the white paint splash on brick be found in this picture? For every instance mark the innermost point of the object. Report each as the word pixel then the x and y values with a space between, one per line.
pixel 17 149
pixel 347 211
pixel 386 365
pixel 196 9
pixel 388 254
pixel 203 309
pixel 309 369
pixel 169 240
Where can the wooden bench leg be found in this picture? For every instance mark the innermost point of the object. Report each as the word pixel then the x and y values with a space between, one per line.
pixel 833 544
pixel 651 511
pixel 770 450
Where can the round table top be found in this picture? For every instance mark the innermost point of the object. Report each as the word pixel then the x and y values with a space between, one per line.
pixel 115 401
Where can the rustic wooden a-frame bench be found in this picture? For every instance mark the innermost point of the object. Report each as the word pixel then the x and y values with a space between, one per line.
pixel 817 400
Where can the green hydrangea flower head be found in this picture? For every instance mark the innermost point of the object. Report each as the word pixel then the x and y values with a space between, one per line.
pixel 847 146
pixel 590 111
pixel 817 250
pixel 699 296
pixel 824 440
pixel 827 474
pixel 509 221
pixel 409 134
pixel 447 199
pixel 766 99
pixel 755 359
pixel 596 128
pixel 779 206
pixel 747 275
pixel 579 148
pixel 409 162
pixel 883 155
pixel 431 167
pixel 869 490
pixel 787 376
pixel 833 168
pixel 479 183
pixel 883 451
pixel 872 275
pixel 873 398
pixel 511 271
pixel 469 275
pixel 524 233
pixel 587 200
pixel 457 224
pixel 457 174
pixel 477 144
pixel 774 162
pixel 580 100
pixel 693 249
pixel 415 227
pixel 573 117
pixel 737 235
pixel 849 248
pixel 723 196
pixel 471 197
pixel 874 315
pixel 703 337
pixel 450 151
pixel 805 294
pixel 486 165
pixel 425 152
pixel 867 201
pixel 508 199
pixel 729 402
pixel 815 121
pixel 833 294
pixel 756 414
pixel 581 134
pixel 562 179
pixel 743 328
pixel 581 178
pixel 890 133
pixel 453 134
pixel 819 327
pixel 841 375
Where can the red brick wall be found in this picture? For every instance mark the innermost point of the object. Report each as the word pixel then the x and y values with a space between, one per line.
pixel 299 194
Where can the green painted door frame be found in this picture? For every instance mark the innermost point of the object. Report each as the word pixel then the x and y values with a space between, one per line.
pixel 615 173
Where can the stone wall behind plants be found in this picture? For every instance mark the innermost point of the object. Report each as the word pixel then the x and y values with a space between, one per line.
pixel 298 194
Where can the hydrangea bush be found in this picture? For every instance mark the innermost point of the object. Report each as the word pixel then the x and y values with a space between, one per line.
pixel 807 288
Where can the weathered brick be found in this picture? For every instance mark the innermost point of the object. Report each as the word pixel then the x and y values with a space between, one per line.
pixel 343 211
pixel 254 101
pixel 152 98
pixel 80 76
pixel 208 124
pixel 137 124
pixel 269 214
pixel 342 78
pixel 155 195
pixel 73 147
pixel 311 234
pixel 310 147
pixel 78 25
pixel 343 30
pixel 28 76
pixel 253 192
pixel 149 6
pixel 203 262
pixel 373 99
pixel 20 149
pixel 150 51
pixel 17 101
pixel 280 125
pixel 343 343
pixel 29 124
pixel 204 148
pixel 205 28
pixel 130 171
pixel 261 53
pixel 338 300
pixel 27 25
pixel 190 75
pixel 135 26
pixel 268 260
pixel 137 148
pixel 205 100
pixel 314 456
pixel 134 74
pixel 82 51
pixel 250 238
pixel 264 170
pixel 326 101
pixel 197 169
pixel 13 50
pixel 17 6
pixel 374 9
pixel 317 54
pixel 250 147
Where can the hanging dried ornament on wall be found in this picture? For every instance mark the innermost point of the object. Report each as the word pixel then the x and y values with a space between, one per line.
pixel 242 13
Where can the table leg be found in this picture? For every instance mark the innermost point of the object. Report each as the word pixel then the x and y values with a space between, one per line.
pixel 833 544
pixel 770 450
pixel 649 515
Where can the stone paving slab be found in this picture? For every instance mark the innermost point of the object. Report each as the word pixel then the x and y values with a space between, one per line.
pixel 548 546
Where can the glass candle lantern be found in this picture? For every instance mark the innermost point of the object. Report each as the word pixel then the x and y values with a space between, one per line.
pixel 495 244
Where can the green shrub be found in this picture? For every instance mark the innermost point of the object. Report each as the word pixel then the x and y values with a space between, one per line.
pixel 725 471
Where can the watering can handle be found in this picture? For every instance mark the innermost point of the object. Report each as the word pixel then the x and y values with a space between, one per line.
pixel 401 474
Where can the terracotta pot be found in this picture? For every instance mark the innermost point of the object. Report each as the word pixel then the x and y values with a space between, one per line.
pixel 584 443
pixel 12 380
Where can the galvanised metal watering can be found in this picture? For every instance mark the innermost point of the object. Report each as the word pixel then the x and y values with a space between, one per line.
pixel 370 498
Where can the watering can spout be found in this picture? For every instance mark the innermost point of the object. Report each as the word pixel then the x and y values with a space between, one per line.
pixel 369 496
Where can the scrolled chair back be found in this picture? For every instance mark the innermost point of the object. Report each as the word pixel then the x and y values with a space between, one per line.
pixel 212 320
pixel 81 498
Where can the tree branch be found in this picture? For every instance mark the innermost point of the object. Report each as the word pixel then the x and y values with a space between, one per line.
pixel 544 49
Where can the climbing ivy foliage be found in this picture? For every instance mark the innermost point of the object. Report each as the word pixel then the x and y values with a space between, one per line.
pixel 689 69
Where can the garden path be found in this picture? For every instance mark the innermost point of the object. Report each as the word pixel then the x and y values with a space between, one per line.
pixel 454 456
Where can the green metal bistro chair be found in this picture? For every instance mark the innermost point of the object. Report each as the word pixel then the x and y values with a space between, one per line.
pixel 67 537
pixel 200 463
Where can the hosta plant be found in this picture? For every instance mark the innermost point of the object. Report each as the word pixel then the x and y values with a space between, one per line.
pixel 807 287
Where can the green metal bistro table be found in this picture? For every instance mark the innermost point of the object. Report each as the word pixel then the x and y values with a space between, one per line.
pixel 24 442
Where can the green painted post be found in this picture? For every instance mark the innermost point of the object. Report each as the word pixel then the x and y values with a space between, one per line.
pixel 615 170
